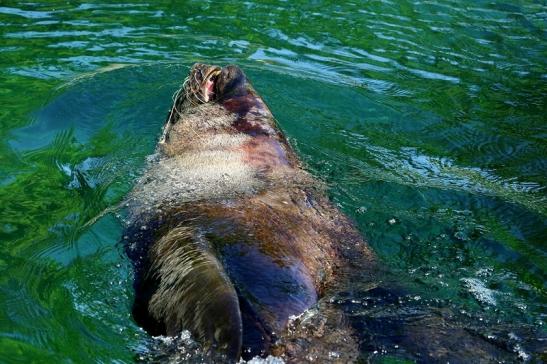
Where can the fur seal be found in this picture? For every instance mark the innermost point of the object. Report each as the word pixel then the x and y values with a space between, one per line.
pixel 229 235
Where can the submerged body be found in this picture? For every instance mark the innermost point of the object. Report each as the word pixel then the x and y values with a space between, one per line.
pixel 229 235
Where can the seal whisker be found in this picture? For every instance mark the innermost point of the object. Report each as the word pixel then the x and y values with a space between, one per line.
pixel 176 97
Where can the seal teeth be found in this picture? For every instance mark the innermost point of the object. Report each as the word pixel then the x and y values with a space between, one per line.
pixel 213 74
pixel 209 84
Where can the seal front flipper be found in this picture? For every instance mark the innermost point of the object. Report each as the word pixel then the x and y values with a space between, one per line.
pixel 194 293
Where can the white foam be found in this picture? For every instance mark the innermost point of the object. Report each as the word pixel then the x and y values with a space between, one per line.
pixel 269 360
pixel 477 288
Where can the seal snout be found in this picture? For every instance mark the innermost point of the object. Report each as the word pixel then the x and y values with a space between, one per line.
pixel 211 83
pixel 201 82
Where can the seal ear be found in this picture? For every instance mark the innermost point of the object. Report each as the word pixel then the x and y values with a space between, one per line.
pixel 230 82
pixel 194 293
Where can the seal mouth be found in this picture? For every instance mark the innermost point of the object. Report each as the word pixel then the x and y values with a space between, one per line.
pixel 200 84
pixel 208 84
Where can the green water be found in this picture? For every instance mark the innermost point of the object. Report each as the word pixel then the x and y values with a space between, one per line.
pixel 427 119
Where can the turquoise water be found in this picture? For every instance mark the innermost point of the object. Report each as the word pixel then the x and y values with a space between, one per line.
pixel 425 118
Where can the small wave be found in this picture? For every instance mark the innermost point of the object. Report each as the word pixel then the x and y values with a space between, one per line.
pixel 29 14
pixel 408 166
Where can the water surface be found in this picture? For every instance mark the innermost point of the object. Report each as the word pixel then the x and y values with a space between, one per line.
pixel 425 118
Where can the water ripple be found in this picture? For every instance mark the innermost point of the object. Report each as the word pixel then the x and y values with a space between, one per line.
pixel 29 14
pixel 427 118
